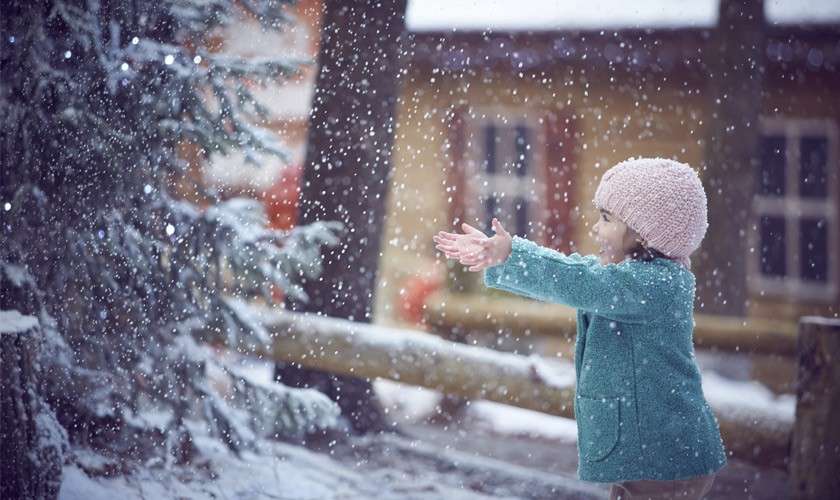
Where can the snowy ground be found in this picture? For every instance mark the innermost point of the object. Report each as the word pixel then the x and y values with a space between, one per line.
pixel 386 466
pixel 492 451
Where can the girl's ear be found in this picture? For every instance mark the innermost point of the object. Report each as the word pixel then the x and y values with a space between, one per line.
pixel 636 237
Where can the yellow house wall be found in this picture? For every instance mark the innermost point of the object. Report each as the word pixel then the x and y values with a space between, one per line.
pixel 615 121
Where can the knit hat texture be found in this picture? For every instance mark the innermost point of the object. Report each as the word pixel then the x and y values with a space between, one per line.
pixel 663 200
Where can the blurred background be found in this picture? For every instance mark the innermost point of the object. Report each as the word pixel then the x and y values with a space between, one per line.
pixel 229 137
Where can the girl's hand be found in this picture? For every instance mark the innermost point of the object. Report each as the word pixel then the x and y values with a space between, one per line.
pixel 474 248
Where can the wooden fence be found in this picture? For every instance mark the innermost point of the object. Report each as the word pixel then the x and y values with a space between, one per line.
pixel 809 448
pixel 418 358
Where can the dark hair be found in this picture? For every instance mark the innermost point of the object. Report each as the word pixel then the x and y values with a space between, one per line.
pixel 643 253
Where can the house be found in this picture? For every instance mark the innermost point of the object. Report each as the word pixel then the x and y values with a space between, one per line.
pixel 510 114
pixel 507 113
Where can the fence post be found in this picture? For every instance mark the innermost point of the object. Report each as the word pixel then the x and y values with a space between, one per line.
pixel 815 446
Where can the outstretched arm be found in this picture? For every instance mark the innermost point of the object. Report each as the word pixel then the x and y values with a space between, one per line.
pixel 619 291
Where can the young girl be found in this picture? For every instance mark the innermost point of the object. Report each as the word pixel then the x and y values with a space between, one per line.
pixel 643 422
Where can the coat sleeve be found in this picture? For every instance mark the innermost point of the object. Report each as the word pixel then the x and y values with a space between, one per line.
pixel 617 291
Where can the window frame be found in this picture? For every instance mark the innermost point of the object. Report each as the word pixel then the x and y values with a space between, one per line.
pixel 793 209
pixel 509 186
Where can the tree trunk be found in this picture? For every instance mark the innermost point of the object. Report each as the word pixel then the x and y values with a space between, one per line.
pixel 735 82
pixel 32 440
pixel 347 175
pixel 815 450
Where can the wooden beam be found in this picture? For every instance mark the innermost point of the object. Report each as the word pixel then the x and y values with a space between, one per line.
pixel 447 312
pixel 417 358
pixel 452 313
pixel 754 335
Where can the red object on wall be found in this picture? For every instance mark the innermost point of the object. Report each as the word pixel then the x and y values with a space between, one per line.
pixel 281 200
pixel 413 295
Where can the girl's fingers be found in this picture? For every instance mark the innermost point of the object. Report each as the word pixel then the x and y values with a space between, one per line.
pixel 455 239
pixel 478 267
pixel 443 246
pixel 479 252
pixel 463 245
pixel 442 241
pixel 452 255
pixel 473 259
pixel 469 229
pixel 497 226
pixel 468 256
pixel 470 248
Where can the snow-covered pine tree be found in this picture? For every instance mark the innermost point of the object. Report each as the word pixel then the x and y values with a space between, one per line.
pixel 129 283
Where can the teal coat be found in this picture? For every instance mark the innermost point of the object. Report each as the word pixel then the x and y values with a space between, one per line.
pixel 639 405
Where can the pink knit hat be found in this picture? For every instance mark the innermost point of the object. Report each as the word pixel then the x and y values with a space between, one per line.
pixel 662 200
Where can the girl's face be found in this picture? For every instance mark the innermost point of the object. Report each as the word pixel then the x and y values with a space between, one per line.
pixel 614 238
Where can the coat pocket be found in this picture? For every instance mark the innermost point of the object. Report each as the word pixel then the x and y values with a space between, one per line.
pixel 598 426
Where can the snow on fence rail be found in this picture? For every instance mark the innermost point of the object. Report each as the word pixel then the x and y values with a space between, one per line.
pixel 751 430
pixel 417 358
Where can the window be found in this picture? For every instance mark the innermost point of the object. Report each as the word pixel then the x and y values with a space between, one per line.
pixel 507 157
pixel 795 234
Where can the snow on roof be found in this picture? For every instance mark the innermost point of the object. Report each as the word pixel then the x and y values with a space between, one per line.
pixel 802 11
pixel 542 15
pixel 548 15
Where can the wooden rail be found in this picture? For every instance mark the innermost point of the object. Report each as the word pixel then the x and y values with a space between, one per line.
pixel 417 358
pixel 482 313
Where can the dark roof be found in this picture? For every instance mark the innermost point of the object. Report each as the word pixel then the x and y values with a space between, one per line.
pixel 658 50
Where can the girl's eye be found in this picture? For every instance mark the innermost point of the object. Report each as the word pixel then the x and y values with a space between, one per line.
pixel 604 216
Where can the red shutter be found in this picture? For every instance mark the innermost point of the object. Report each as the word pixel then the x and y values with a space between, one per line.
pixel 455 175
pixel 560 178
